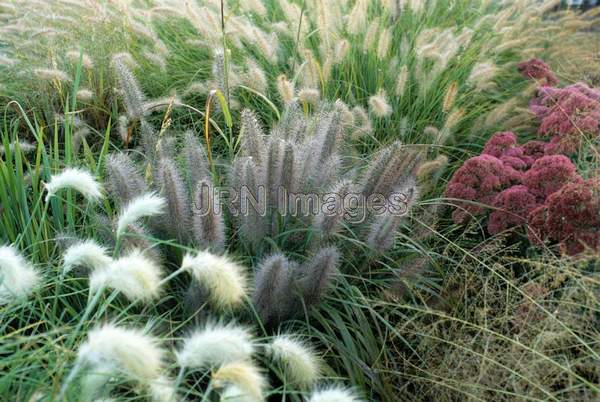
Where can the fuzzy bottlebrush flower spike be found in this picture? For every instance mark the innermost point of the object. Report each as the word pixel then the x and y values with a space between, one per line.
pixel 135 275
pixel 245 376
pixel 18 279
pixel 224 279
pixel 133 97
pixel 215 345
pixel 333 394
pixel 88 254
pixel 273 296
pixel 142 206
pixel 111 350
pixel 76 179
pixel 316 275
pixel 124 181
pixel 299 362
pixel 208 225
pixel 172 187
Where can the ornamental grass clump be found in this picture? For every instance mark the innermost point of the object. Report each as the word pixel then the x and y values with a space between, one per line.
pixel 278 185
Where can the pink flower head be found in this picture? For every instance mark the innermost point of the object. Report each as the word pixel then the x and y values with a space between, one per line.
pixel 548 174
pixel 478 180
pixel 499 143
pixel 535 149
pixel 570 217
pixel 514 205
pixel 568 113
pixel 503 145
pixel 537 70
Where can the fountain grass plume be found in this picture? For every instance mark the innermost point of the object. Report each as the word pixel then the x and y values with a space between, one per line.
pixel 299 362
pixel 18 278
pixel 244 375
pixel 215 344
pixel 88 254
pixel 224 279
pixel 135 275
pixel 123 179
pixel 143 206
pixel 76 179
pixel 274 296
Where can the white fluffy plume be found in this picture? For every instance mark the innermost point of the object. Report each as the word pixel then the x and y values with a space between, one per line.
pixel 224 279
pixel 76 179
pixel 214 345
pixel 245 376
pixel 299 362
pixel 145 205
pixel 333 394
pixel 135 275
pixel 18 279
pixel 111 350
pixel 88 254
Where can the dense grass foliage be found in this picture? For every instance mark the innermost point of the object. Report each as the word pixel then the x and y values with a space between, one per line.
pixel 118 115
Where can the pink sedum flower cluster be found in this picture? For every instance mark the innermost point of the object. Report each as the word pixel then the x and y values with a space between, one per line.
pixel 535 183
pixel 511 179
pixel 566 114
pixel 569 217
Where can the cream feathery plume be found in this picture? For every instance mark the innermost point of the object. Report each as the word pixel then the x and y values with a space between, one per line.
pixel 111 350
pixel 84 95
pixel 74 56
pixel 402 81
pixel 285 88
pixel 333 394
pixel 244 375
pixel 76 179
pixel 18 278
pixel 299 362
pixel 309 95
pixel 384 43
pixel 233 393
pixel 145 205
pixel 223 278
pixel 49 74
pixel 135 275
pixel 215 345
pixel 379 105
pixel 86 253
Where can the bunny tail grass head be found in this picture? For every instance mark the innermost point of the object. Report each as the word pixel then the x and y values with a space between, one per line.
pixel 225 280
pixel 299 362
pixel 111 350
pixel 317 274
pixel 162 389
pixel 18 278
pixel 245 376
pixel 215 345
pixel 333 394
pixel 88 254
pixel 233 393
pixel 145 205
pixel 135 275
pixel 76 179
